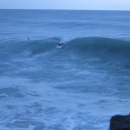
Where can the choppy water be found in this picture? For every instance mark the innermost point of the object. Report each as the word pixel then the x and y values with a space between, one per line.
pixel 77 87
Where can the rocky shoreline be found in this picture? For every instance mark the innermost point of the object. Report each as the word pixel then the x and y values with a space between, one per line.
pixel 120 122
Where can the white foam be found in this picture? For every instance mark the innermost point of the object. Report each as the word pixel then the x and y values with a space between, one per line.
pixel 43 103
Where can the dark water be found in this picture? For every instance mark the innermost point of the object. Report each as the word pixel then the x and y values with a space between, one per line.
pixel 77 87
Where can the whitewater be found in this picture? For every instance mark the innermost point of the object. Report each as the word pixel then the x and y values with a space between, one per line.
pixel 77 87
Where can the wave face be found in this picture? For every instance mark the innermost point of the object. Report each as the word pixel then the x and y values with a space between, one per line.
pixel 113 45
pixel 106 48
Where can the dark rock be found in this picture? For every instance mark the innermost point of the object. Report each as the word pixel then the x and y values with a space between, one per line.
pixel 120 122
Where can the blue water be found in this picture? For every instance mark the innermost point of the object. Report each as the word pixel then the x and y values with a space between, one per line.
pixel 77 87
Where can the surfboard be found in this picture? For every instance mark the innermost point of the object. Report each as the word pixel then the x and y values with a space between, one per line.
pixel 59 46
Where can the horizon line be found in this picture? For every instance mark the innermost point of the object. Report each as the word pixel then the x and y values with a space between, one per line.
pixel 68 9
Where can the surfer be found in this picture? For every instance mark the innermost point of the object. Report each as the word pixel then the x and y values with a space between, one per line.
pixel 60 44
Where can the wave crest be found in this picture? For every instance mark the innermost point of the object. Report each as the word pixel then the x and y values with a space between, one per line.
pixel 80 45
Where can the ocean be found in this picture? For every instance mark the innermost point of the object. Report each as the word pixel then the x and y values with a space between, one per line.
pixel 76 87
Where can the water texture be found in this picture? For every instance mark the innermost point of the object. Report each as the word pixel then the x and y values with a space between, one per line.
pixel 77 87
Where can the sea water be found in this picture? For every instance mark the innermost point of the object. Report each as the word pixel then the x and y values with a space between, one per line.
pixel 77 87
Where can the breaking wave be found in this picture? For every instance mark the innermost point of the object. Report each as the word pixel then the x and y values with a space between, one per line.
pixel 91 46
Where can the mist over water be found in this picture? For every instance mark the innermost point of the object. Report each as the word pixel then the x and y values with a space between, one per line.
pixel 77 87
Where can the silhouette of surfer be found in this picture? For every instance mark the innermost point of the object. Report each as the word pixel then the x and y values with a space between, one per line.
pixel 60 44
